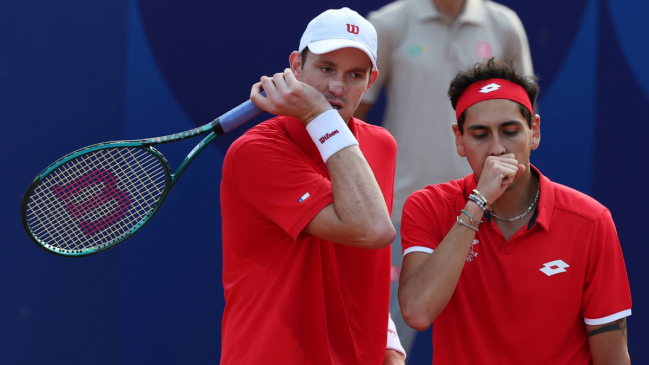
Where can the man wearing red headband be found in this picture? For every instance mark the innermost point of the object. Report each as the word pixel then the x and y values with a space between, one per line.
pixel 511 267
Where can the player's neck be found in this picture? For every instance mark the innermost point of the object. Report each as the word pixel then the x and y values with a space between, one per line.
pixel 450 8
pixel 516 201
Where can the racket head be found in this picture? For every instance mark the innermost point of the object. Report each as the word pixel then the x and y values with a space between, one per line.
pixel 95 198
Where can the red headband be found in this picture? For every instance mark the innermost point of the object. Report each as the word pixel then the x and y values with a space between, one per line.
pixel 492 89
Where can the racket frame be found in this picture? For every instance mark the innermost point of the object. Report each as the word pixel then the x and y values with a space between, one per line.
pixel 217 127
pixel 73 155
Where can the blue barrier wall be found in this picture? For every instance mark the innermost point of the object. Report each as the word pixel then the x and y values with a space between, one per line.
pixel 74 72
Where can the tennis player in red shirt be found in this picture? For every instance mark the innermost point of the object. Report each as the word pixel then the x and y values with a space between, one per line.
pixel 306 200
pixel 510 267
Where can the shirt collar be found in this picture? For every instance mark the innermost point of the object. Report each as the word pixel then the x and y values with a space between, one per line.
pixel 425 10
pixel 545 206
pixel 473 12
pixel 546 201
pixel 299 135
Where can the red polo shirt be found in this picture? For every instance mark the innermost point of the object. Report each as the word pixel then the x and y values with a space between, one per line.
pixel 292 298
pixel 523 300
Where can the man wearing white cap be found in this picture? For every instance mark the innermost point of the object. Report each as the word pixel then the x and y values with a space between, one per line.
pixel 306 200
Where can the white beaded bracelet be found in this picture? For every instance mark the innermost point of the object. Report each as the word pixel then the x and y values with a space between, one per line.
pixel 330 133
pixel 474 198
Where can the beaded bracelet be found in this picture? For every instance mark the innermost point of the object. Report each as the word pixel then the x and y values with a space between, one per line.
pixel 470 218
pixel 474 198
pixel 466 224
pixel 483 198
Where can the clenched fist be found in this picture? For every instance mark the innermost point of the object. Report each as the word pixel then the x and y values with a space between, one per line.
pixel 498 173
pixel 285 95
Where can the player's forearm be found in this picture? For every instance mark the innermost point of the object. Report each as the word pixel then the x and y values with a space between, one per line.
pixel 608 343
pixel 358 201
pixel 429 287
pixel 393 358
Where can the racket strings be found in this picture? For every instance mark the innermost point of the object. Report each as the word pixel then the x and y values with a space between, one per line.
pixel 100 212
pixel 96 198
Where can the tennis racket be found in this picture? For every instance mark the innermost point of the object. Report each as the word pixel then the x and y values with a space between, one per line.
pixel 101 195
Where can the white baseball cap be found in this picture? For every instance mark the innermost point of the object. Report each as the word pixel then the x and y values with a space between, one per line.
pixel 340 28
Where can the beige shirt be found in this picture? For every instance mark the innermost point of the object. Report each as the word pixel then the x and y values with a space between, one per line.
pixel 418 56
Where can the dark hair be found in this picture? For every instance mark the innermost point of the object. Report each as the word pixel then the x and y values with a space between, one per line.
pixel 492 69
pixel 303 54
pixel 305 51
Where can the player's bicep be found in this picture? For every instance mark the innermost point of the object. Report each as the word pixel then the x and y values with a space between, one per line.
pixel 608 342
pixel 411 263
pixel 325 225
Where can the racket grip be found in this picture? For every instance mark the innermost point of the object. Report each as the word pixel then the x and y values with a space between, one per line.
pixel 236 117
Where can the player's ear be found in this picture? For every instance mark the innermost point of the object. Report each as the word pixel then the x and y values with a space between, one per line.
pixel 536 131
pixel 373 76
pixel 459 142
pixel 295 60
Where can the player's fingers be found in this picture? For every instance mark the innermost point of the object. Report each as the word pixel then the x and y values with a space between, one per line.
pixel 269 86
pixel 506 160
pixel 521 170
pixel 508 173
pixel 509 164
pixel 280 83
pixel 257 98
pixel 290 78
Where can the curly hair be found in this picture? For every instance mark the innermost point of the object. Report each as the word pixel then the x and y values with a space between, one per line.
pixel 492 69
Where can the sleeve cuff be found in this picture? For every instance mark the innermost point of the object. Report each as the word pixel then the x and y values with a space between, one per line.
pixel 607 319
pixel 297 230
pixel 417 249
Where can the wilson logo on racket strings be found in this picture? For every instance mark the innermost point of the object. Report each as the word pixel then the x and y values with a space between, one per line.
pixel 327 136
pixel 109 192
pixel 351 28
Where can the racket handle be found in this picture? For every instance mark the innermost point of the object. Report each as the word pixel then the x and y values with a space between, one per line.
pixel 236 117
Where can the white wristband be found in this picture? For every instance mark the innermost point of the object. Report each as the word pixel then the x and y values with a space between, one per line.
pixel 393 339
pixel 330 133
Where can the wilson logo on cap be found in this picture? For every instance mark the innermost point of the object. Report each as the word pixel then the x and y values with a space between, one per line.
pixel 489 88
pixel 327 136
pixel 352 28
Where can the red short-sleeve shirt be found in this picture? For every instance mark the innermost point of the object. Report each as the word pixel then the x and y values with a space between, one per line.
pixel 292 298
pixel 523 300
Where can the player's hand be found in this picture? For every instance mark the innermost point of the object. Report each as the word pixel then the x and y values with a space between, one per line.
pixel 393 358
pixel 285 95
pixel 498 173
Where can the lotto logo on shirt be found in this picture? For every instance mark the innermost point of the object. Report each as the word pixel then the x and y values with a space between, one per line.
pixel 327 136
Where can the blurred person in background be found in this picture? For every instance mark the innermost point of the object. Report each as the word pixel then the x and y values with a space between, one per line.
pixel 422 45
